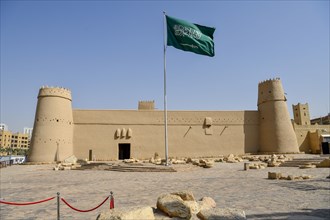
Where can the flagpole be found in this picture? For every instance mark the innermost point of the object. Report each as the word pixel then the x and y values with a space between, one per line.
pixel 165 98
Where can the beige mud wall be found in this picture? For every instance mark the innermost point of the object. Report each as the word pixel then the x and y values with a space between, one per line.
pixel 52 135
pixel 308 137
pixel 189 133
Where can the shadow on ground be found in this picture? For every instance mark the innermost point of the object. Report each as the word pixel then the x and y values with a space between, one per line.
pixel 305 214
pixel 305 185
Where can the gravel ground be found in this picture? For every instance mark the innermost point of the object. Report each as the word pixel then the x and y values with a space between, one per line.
pixel 227 183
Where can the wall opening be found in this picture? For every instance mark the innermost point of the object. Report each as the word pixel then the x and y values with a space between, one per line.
pixel 90 155
pixel 124 151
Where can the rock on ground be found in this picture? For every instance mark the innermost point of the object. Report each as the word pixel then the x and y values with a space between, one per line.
pixel 207 203
pixel 132 213
pixel 223 214
pixel 174 206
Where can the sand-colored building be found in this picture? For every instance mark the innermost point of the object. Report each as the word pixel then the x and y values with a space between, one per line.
pixel 12 141
pixel 310 137
pixel 60 131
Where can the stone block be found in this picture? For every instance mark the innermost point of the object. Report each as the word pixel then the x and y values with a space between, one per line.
pixel 208 164
pixel 306 177
pixel 185 195
pixel 71 160
pixel 173 206
pixel 207 203
pixel 220 213
pixel 290 177
pixel 274 175
pixel 324 163
pixel 307 166
pixel 193 206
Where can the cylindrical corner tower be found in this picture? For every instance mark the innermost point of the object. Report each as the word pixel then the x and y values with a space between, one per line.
pixel 276 134
pixel 53 126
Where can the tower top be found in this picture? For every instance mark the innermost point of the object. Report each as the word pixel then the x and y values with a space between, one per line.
pixel 146 105
pixel 270 90
pixel 276 79
pixel 61 92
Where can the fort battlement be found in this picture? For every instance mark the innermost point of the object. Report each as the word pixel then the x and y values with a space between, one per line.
pixel 270 80
pixel 270 90
pixel 55 91
pixel 146 105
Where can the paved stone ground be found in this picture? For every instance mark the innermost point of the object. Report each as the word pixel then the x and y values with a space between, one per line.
pixel 228 184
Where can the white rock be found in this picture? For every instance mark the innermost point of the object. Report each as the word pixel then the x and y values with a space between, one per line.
pixel 72 160
pixel 173 206
pixel 193 205
pixel 207 203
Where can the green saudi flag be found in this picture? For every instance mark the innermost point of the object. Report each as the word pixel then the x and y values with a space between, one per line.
pixel 190 37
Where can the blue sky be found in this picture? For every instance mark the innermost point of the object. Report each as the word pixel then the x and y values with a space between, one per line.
pixel 110 54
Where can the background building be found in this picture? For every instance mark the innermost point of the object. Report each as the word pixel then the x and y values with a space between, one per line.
pixel 28 131
pixel 13 143
pixel 325 120
pixel 312 137
pixel 3 127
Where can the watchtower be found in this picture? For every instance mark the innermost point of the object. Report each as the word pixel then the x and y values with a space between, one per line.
pixel 146 105
pixel 276 132
pixel 53 126
pixel 301 114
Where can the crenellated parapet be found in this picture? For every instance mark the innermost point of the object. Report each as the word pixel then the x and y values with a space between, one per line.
pixel 270 90
pixel 55 91
pixel 146 105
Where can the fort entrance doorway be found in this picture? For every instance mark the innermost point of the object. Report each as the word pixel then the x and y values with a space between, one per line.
pixel 124 151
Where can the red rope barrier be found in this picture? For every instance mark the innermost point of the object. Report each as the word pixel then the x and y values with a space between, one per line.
pixel 26 203
pixel 79 210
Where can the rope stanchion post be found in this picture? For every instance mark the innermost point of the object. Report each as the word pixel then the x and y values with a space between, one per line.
pixel 112 201
pixel 58 206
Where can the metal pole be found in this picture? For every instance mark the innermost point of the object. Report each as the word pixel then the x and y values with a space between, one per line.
pixel 58 206
pixel 112 202
pixel 165 98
